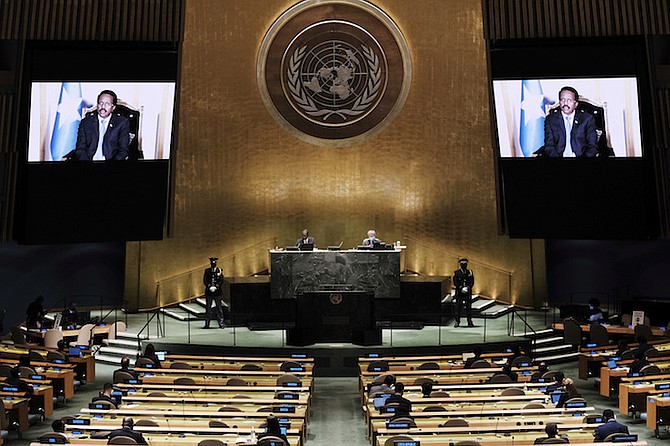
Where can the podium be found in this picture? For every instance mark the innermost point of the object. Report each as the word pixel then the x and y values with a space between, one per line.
pixel 334 317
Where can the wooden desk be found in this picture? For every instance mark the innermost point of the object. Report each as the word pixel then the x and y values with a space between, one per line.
pixel 636 395
pixel 243 359
pixel 213 398
pixel 522 438
pixel 17 410
pixel 195 410
pixel 657 407
pixel 85 366
pixel 213 388
pixel 209 381
pixel 610 378
pixel 175 440
pixel 42 396
pixel 244 374
pixel 487 411
pixel 612 329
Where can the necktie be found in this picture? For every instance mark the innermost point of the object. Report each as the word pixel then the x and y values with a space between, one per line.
pixel 568 131
pixel 99 155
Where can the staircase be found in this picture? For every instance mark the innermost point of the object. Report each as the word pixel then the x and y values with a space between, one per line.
pixel 193 310
pixel 550 348
pixel 125 344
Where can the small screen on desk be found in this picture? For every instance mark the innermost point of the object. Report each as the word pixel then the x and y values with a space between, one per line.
pixel 161 355
pixel 611 364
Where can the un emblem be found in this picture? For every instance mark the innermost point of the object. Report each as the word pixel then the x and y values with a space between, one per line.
pixel 334 73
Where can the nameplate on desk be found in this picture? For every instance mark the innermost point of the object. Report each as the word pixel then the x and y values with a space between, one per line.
pixel 81 421
pixel 576 404
pixel 393 425
pixel 296 369
pixel 10 389
pixel 284 409
pixel 387 409
pixel 406 443
pixel 662 386
pixel 291 384
pixel 59 361
pixel 524 364
pixel 595 420
pixel 373 355
pixel 56 369
pixel 37 376
pixel 99 406
pixel 298 355
pixel 591 345
pixel 624 438
pixel 133 381
pixel 288 396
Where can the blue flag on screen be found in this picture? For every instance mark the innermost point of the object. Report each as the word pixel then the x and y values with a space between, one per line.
pixel 68 115
pixel 531 132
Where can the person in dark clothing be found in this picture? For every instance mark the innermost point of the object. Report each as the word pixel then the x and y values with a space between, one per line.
pixel 595 313
pixel 70 315
pixel 551 430
pixel 464 280
pixel 15 380
pixel 150 353
pixel 106 395
pixel 125 367
pixel 477 350
pixel 507 370
pixel 642 346
pixel 640 361
pixel 273 429
pixel 404 405
pixel 384 387
pixel 213 281
pixel 542 368
pixel 426 388
pixel 564 385
pixel 35 313
pixel 611 426
pixel 622 346
pixel 127 431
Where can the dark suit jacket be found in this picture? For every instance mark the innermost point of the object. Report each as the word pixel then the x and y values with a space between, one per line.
pixel 463 279
pixel 213 277
pixel 115 145
pixel 404 405
pixel 301 241
pixel 583 137
pixel 125 432
pixel 610 427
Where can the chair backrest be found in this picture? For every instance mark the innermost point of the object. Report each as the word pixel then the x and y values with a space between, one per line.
pixel 142 361
pixel 53 437
pixel 229 409
pixel 467 443
pixel 598 334
pixel 122 439
pixel 555 440
pixel 212 442
pixel 572 332
pixel 252 367
pixel 145 422
pixel 51 338
pixel 287 366
pixel 115 328
pixel 378 366
pixel 512 391
pixel 439 394
pixel 548 375
pixel 288 378
pixel 456 422
pixel 380 379
pixel 429 366
pixel 17 335
pixel 611 437
pixel 85 333
pixel 26 372
pixel 402 420
pixel 643 330
pixel 419 381
pixel 121 376
pixel 180 366
pixel 55 355
pixel 500 378
pixel 265 409
pixel 184 381
pixel 534 406
pixel 35 355
pixel 156 395
pixel 651 352
pixel 237 382
pixel 107 404
pixel 650 369
pixel 217 423
pixel 271 440
pixel 434 409
pixel 391 440
pixel 520 360
pixel 480 364
pixel 626 319
pixel 628 354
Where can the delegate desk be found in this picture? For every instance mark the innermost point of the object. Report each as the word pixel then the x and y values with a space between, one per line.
pixel 613 329
pixel 188 388
pixel 581 437
pixel 634 396
pixel 84 365
pixel 591 360
pixel 658 408
pixel 176 440
pixel 610 378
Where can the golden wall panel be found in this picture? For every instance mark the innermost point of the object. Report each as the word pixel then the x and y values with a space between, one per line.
pixel 244 185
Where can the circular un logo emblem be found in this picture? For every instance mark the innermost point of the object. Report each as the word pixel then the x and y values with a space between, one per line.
pixel 334 73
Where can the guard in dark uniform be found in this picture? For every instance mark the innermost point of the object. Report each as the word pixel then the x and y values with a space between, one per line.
pixel 463 281
pixel 213 281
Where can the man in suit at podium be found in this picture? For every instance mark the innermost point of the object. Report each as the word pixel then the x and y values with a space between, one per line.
pixel 568 133
pixel 213 281
pixel 372 238
pixel 305 239
pixel 463 281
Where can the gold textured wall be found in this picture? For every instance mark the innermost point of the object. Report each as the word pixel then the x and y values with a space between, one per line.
pixel 242 184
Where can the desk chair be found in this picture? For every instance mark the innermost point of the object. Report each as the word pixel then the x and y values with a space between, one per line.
pixel 35 355
pixel 180 366
pixel 54 355
pixel 512 391
pixel 142 362
pixel 51 338
pixel 500 378
pixel 53 437
pixel 598 334
pixel 184 381
pixel 520 360
pixel 288 365
pixel 456 422
pixel 252 367
pixel 237 382
pixel 410 422
pixel 434 409
pixel 650 369
pixel 643 330
pixel 419 381
pixel 555 440
pixel 381 366
pixel 429 366
pixel 391 441
pixel 612 437
pixel 5 371
pixel 121 439
pixel 271 441
pixel 288 378
pixel 121 376
pixel 439 394
pixel 480 364
pixel 84 335
pixel 212 442
pixel 26 372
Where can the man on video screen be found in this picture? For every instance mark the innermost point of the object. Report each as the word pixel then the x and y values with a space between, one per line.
pixel 103 135
pixel 568 133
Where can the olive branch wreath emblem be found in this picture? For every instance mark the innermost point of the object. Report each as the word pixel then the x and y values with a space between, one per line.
pixel 307 104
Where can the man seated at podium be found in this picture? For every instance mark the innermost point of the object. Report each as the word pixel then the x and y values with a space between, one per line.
pixel 372 238
pixel 305 239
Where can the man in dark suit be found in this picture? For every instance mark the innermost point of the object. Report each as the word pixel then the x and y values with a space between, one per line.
pixel 404 406
pixel 372 238
pixel 114 128
pixel 213 280
pixel 305 239
pixel 127 431
pixel 581 127
pixel 611 426
pixel 463 281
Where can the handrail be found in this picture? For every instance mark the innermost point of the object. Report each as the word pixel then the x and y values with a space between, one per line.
pixel 510 328
pixel 159 330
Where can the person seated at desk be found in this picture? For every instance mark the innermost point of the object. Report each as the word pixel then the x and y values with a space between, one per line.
pixel 125 367
pixel 477 350
pixel 622 346
pixel 566 385
pixel 642 347
pixel 404 405
pixel 69 319
pixel 611 426
pixel 384 387
pixel 595 313
pixel 542 368
pixel 106 395
pixel 305 239
pixel 15 380
pixel 127 431
pixel 273 429
pixel 150 353
pixel 58 426
pixel 639 362
pixel 426 388
pixel 516 352
pixel 551 429
pixel 372 239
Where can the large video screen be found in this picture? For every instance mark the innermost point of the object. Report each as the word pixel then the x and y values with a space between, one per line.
pixel 605 118
pixel 64 120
